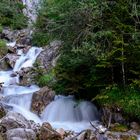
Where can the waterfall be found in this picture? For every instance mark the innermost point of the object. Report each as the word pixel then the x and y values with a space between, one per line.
pixel 63 112
pixel 27 60
pixel 31 9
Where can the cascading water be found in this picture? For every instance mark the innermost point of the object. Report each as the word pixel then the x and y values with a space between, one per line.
pixel 63 112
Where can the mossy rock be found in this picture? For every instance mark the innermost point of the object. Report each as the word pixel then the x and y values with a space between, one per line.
pixel 119 128
pixel 3 48
pixel 126 137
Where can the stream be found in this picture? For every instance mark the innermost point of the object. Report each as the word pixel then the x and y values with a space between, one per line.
pixel 63 112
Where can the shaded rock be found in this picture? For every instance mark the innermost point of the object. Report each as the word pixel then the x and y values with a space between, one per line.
pixel 135 126
pixel 41 99
pixel 47 133
pixel 112 115
pixel 86 135
pixel 11 59
pixel 48 58
pixel 3 65
pixel 2 111
pixel 20 36
pixel 20 134
pixel 14 120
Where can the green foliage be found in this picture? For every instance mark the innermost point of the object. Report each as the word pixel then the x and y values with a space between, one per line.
pixel 45 79
pixel 11 14
pixel 127 99
pixel 1 28
pixel 41 76
pixel 3 48
pixel 101 43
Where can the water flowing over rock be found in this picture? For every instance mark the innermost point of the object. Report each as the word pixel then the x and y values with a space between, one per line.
pixel 41 99
pixel 48 57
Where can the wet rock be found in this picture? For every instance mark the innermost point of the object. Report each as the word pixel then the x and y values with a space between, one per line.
pixel 14 120
pixel 135 126
pixel 47 133
pixel 41 99
pixel 62 132
pixel 49 56
pixel 20 134
pixel 11 59
pixel 86 135
pixel 25 76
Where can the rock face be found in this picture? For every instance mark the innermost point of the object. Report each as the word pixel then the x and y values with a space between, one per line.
pixel 2 111
pixel 49 56
pixel 11 59
pixel 47 133
pixel 14 120
pixel 41 99
pixel 20 134
pixel 113 115
pixel 20 36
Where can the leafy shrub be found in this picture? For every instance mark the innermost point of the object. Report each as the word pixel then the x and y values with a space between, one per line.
pixel 127 99
pixel 11 14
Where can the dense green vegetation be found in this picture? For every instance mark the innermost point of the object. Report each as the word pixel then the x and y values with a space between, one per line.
pixel 101 49
pixel 11 14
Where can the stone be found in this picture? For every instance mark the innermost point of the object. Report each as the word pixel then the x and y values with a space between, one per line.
pixel 62 132
pixel 114 114
pixel 47 133
pixel 86 135
pixel 41 99
pixel 48 57
pixel 11 59
pixel 20 134
pixel 2 111
pixel 14 120
pixel 135 126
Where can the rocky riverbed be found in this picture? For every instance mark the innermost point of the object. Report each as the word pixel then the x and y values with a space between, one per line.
pixel 17 122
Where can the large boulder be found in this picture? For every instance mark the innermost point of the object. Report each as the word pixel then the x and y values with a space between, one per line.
pixel 48 58
pixel 47 133
pixel 41 99
pixel 14 120
pixel 20 134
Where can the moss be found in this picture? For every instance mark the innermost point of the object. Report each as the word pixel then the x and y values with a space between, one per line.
pixel 119 128
pixel 3 48
pixel 126 137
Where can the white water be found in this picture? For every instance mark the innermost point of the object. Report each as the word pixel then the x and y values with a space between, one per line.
pixel 63 112
pixel 27 60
